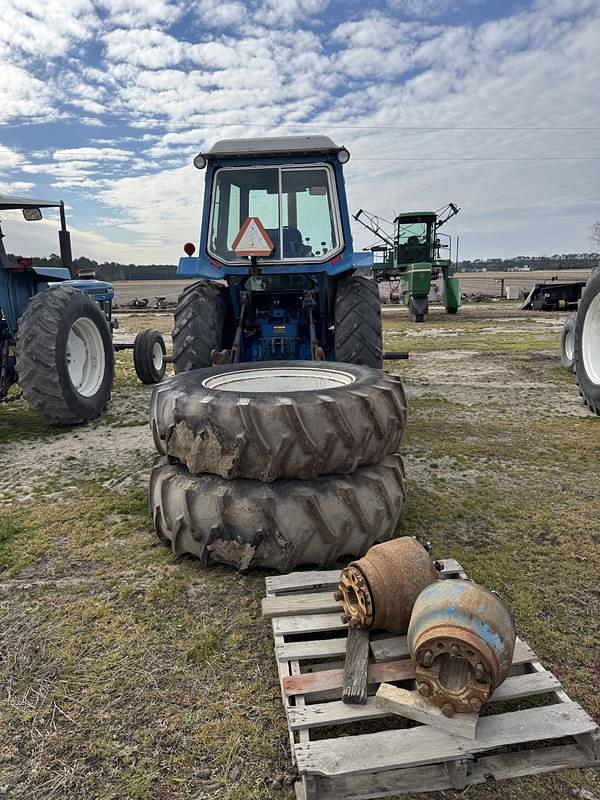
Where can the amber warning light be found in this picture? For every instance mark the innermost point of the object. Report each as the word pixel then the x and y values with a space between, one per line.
pixel 189 248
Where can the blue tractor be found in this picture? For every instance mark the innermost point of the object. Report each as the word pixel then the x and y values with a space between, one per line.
pixel 56 332
pixel 304 297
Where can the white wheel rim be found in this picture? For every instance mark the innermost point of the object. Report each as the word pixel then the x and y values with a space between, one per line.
pixel 569 344
pixel 85 357
pixel 157 356
pixel 279 380
pixel 590 341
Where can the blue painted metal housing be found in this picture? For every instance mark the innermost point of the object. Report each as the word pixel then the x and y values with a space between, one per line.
pixel 207 266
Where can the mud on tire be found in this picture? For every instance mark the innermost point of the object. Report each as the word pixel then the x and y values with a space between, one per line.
pixel 279 525
pixel 200 317
pixel 347 417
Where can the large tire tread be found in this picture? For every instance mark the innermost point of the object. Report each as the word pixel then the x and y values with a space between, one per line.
pixel 46 387
pixel 266 436
pixel 358 327
pixel 199 322
pixel 589 391
pixel 281 525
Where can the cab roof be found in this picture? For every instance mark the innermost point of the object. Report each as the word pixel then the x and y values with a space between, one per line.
pixel 411 214
pixel 8 201
pixel 274 145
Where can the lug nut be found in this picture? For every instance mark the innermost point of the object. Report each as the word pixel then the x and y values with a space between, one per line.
pixel 354 623
pixel 479 672
pixel 475 704
pixel 427 658
pixel 345 619
pixel 448 709
pixel 453 651
pixel 424 690
pixel 337 596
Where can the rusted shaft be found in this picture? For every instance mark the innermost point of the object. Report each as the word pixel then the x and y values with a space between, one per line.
pixel 461 638
pixel 379 590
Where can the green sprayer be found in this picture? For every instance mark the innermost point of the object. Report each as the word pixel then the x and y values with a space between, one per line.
pixel 412 256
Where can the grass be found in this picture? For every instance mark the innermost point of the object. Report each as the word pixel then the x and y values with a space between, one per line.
pixel 125 673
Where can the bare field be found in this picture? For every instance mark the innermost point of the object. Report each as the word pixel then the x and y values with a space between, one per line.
pixel 128 674
pixel 485 282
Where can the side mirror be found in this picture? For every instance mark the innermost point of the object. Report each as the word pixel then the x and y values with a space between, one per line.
pixel 32 214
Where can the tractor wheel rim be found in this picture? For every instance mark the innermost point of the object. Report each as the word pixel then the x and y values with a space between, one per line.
pixel 279 380
pixel 590 341
pixel 86 362
pixel 157 356
pixel 569 344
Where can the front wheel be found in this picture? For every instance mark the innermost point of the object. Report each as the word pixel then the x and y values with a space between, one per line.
pixel 587 344
pixel 567 344
pixel 149 353
pixel 65 359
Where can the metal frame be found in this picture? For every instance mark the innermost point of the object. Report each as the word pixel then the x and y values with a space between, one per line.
pixel 281 168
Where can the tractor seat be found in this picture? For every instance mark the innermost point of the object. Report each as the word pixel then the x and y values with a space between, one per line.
pixel 293 246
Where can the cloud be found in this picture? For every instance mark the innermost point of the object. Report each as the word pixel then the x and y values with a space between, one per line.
pixel 166 79
pixel 146 48
pixel 9 158
pixel 50 27
pixel 132 13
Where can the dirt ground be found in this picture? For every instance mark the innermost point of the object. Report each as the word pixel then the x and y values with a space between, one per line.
pixel 127 673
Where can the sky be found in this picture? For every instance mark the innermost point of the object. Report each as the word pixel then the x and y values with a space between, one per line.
pixel 491 104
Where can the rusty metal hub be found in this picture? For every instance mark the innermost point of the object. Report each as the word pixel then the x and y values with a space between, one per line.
pixel 461 638
pixel 379 590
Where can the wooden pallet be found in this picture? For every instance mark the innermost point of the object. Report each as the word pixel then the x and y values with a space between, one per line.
pixel 341 764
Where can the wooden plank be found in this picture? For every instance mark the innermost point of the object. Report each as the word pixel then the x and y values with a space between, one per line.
pixel 329 579
pixel 425 745
pixel 285 669
pixel 313 623
pixel 395 647
pixel 303 581
pixel 354 690
pixel 334 678
pixel 434 778
pixel 305 651
pixel 337 713
pixel 389 648
pixel 411 705
pixel 587 742
pixel 292 604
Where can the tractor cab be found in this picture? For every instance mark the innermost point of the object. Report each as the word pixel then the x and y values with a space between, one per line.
pixel 415 237
pixel 294 186
pixel 276 230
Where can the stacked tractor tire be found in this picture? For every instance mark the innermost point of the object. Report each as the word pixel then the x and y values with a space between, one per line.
pixel 277 464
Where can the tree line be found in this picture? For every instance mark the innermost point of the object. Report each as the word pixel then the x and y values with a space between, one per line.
pixel 106 271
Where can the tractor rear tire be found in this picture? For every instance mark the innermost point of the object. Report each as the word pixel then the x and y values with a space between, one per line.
pixel 357 319
pixel 149 353
pixel 65 358
pixel 278 419
pixel 199 322
pixel 279 525
pixel 587 343
pixel 567 344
